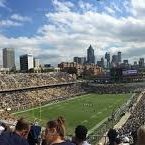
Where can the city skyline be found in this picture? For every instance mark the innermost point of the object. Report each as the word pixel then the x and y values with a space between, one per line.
pixel 58 30
pixel 114 59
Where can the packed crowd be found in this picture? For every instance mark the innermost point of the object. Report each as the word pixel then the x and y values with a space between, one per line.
pixel 18 90
pixel 114 88
pixel 138 138
pixel 136 119
pixel 22 80
pixel 24 99
pixel 133 130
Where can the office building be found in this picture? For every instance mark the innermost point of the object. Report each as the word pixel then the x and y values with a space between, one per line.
pixel 90 55
pixel 141 62
pixel 119 57
pixel 9 58
pixel 114 60
pixel 36 62
pixel 125 61
pixel 135 63
pixel 107 57
pixel 101 63
pixel 26 62
pixel 80 60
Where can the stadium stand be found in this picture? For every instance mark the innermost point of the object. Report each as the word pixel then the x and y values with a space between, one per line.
pixel 132 132
pixel 136 119
pixel 20 81
pixel 114 88
pixel 23 91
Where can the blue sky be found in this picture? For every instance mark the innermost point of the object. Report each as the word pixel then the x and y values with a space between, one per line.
pixel 36 10
pixel 58 30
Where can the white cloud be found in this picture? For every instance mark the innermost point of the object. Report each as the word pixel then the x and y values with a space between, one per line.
pixel 116 8
pixel 69 33
pixel 62 6
pixel 2 3
pixel 127 6
pixel 138 8
pixel 72 32
pixel 109 10
pixel 14 20
pixel 8 23
pixel 85 6
pixel 20 18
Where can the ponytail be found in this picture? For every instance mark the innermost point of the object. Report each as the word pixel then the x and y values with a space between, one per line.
pixel 59 125
pixel 60 120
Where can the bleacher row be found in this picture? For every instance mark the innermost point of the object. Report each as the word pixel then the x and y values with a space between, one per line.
pixel 115 88
pixel 22 80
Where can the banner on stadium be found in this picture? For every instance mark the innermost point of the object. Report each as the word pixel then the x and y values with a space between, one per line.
pixel 129 72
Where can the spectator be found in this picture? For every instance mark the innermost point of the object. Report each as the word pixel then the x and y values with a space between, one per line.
pixel 2 129
pixel 55 133
pixel 117 141
pixel 125 141
pixel 5 127
pixel 19 136
pixel 112 135
pixel 141 136
pixel 134 137
pixel 80 135
pixel 34 134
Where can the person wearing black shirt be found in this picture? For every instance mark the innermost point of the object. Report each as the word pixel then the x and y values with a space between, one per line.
pixel 34 134
pixel 19 136
pixel 80 137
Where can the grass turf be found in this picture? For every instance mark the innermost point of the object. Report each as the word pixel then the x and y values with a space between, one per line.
pixel 87 110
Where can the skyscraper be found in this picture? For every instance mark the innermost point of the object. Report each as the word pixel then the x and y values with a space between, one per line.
pixel 9 58
pixel 119 57
pixel 141 62
pixel 114 60
pixel 36 62
pixel 125 63
pixel 102 60
pixel 80 60
pixel 26 62
pixel 101 63
pixel 90 55
pixel 107 57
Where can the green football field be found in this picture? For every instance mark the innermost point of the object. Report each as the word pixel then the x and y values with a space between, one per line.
pixel 87 110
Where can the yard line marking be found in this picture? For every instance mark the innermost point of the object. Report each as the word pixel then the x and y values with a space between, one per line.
pixel 85 121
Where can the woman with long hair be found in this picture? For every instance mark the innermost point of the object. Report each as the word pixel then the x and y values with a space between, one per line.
pixel 55 132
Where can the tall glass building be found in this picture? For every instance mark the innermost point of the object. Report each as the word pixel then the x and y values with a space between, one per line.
pixel 26 62
pixel 9 58
pixel 90 55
